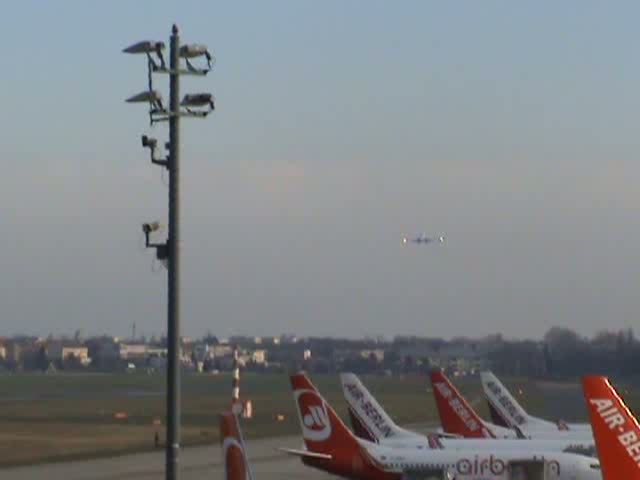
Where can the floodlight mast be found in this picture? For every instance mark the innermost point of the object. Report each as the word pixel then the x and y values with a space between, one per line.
pixel 169 251
pixel 173 313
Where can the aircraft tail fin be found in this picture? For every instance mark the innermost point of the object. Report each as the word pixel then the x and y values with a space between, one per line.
pixel 502 405
pixel 368 419
pixel 236 464
pixel 456 414
pixel 324 433
pixel 615 428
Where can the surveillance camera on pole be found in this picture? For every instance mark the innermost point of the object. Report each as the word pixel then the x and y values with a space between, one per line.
pixel 161 248
pixel 150 227
pixel 192 105
pixel 152 144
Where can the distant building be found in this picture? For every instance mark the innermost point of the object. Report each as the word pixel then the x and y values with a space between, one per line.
pixel 139 351
pixel 13 352
pixel 63 352
pixel 377 354
pixel 259 356
pixel 222 351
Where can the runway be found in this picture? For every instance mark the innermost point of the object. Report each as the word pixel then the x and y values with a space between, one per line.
pixel 197 463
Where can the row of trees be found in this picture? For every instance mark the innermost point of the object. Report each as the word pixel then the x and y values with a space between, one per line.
pixel 564 353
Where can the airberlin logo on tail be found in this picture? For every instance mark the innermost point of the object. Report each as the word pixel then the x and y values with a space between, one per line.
pixel 616 422
pixel 506 403
pixel 458 407
pixel 316 425
pixel 368 408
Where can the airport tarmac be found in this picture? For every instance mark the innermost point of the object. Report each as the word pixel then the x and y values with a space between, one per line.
pixel 197 463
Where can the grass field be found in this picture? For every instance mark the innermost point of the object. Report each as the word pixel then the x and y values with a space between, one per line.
pixel 60 417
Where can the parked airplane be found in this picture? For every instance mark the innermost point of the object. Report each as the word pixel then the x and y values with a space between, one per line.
pixel 458 417
pixel 370 422
pixel 331 447
pixel 236 464
pixel 615 429
pixel 507 412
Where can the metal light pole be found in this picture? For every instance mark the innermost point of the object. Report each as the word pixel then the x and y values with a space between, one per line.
pixel 173 288
pixel 194 105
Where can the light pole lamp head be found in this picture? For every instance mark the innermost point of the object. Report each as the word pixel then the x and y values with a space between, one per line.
pixel 148 96
pixel 152 97
pixel 198 100
pixel 145 46
pixel 195 50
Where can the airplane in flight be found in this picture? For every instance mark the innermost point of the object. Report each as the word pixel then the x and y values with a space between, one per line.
pixel 371 422
pixel 507 412
pixel 615 428
pixel 236 464
pixel 330 446
pixel 422 239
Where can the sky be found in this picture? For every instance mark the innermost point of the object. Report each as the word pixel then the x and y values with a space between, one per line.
pixel 507 127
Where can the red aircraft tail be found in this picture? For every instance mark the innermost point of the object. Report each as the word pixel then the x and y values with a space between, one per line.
pixel 456 414
pixel 235 458
pixel 330 444
pixel 616 430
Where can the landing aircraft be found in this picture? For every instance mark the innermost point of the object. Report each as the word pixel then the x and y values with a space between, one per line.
pixel 615 429
pixel 331 447
pixel 422 239
pixel 236 464
pixel 371 422
pixel 507 412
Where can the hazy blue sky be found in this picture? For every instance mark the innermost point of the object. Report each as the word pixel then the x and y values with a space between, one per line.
pixel 510 128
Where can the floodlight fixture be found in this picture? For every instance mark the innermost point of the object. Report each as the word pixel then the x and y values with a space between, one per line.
pixel 148 47
pixel 148 96
pixel 145 46
pixel 198 100
pixel 151 97
pixel 195 50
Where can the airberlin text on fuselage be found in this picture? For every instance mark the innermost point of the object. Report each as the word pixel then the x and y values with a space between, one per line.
pixel 492 466
pixel 369 410
pixel 616 421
